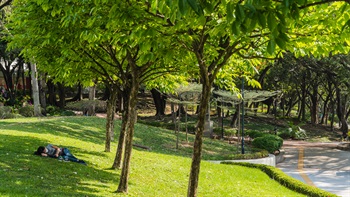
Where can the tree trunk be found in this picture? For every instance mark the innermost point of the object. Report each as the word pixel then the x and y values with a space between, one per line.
pixel 92 93
pixel 325 110
pixel 61 95
pixel 78 96
pixel 121 143
pixel 24 81
pixel 219 112
pixel 314 105
pixel 106 94
pixel 234 117
pixel 268 102
pixel 51 93
pixel 173 115
pixel 132 101
pixel 42 93
pixel 159 102
pixel 111 105
pixel 341 112
pixel 301 115
pixel 197 148
pixel 35 90
pixel 10 93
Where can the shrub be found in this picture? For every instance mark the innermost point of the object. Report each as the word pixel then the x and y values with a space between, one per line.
pixel 83 105
pixel 67 113
pixel 296 133
pixel 227 132
pixel 52 110
pixel 286 180
pixel 299 134
pixel 27 111
pixel 6 112
pixel 256 155
pixel 255 134
pixel 268 142
pixel 2 99
pixel 286 134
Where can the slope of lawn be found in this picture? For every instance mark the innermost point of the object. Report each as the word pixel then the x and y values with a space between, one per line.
pixel 161 171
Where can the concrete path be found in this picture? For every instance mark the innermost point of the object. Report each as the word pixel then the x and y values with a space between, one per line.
pixel 319 165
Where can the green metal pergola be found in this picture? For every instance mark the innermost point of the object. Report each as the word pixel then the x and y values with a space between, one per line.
pixel 190 95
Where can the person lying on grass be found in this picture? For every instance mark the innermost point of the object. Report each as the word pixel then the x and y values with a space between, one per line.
pixel 57 152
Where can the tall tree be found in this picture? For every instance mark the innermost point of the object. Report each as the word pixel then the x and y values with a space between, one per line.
pixel 219 30
pixel 10 63
pixel 122 53
pixel 35 86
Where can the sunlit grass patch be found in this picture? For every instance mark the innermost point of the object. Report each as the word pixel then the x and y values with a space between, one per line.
pixel 161 171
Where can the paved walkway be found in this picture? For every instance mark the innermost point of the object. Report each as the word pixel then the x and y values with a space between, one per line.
pixel 319 165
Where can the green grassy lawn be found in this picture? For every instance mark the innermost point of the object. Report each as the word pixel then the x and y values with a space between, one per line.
pixel 161 171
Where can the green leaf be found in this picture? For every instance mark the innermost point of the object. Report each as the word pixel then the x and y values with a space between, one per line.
pixel 347 24
pixel 281 18
pixel 183 6
pixel 195 6
pixel 343 8
pixel 271 21
pixel 235 27
pixel 229 12
pixel 286 3
pixel 253 23
pixel 300 2
pixel 208 6
pixel 45 7
pixel 247 24
pixel 239 13
pixel 169 3
pixel 284 37
pixel 281 43
pixel 271 46
pixel 262 19
pixel 154 6
pixel 251 8
pixel 295 11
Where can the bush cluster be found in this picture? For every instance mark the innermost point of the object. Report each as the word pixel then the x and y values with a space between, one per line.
pixel 26 111
pixel 268 142
pixel 286 180
pixel 255 155
pixel 6 112
pixel 56 111
pixel 84 105
pixel 227 132
pixel 52 110
pixel 255 134
pixel 296 133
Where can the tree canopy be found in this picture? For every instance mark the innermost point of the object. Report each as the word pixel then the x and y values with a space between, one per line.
pixel 134 42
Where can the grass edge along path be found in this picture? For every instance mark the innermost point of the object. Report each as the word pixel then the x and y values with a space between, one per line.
pixel 157 172
pixel 289 182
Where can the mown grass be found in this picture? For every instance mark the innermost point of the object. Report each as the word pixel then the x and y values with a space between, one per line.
pixel 161 171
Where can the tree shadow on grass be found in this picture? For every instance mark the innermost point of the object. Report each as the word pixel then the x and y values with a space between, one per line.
pixel 164 141
pixel 24 174
pixel 92 129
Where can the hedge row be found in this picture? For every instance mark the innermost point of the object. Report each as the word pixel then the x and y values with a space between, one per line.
pixel 287 181
pixel 254 155
pixel 268 142
pixel 7 112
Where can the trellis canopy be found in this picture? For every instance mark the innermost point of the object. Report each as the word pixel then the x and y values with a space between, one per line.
pixel 190 94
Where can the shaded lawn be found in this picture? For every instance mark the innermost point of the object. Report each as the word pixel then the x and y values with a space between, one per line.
pixel 163 171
